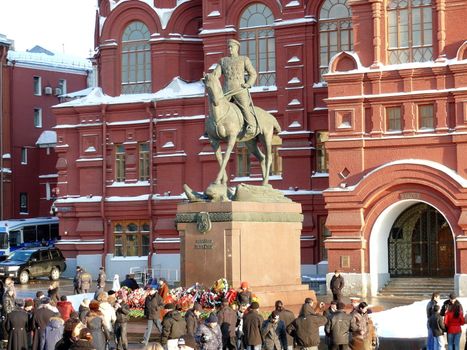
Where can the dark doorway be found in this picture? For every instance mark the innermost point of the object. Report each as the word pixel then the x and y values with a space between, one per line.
pixel 421 244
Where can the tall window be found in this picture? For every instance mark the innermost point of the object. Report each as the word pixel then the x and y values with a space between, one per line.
pixel 131 238
pixel 136 59
pixel 119 163
pixel 62 86
pixel 257 42
pixel 393 119
pixel 38 117
pixel 426 118
pixel 410 31
pixel 335 31
pixel 23 202
pixel 24 155
pixel 321 153
pixel 144 161
pixel 37 86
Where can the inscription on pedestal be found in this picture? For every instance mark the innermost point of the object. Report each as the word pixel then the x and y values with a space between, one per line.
pixel 204 244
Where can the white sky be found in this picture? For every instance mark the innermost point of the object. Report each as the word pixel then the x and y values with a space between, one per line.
pixel 57 25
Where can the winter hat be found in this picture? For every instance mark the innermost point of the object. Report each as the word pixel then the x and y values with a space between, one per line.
pixel 244 285
pixel 212 318
pixel 19 302
pixel 85 302
pixel 94 305
pixel 28 302
pixel 340 306
pixel 197 307
pixel 254 305
pixel 45 300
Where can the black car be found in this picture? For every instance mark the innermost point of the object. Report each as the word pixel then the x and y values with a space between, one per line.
pixel 26 263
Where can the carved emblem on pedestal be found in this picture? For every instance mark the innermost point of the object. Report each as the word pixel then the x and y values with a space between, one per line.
pixel 203 222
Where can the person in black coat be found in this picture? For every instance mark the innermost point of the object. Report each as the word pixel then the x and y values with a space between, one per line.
pixel 336 286
pixel 153 305
pixel 192 319
pixel 17 326
pixel 40 319
pixel 338 328
pixel 130 282
pixel 437 326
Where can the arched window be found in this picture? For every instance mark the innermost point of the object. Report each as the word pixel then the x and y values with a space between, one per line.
pixel 136 59
pixel 257 42
pixel 335 31
pixel 410 31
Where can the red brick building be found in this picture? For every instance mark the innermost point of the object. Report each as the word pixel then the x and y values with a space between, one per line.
pixel 30 83
pixel 141 134
pixel 389 116
pixel 397 119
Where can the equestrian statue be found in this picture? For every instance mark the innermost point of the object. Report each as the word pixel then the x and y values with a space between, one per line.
pixel 232 116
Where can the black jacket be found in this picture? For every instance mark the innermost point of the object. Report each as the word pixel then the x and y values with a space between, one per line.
pixel 173 327
pixel 436 324
pixel 305 328
pixel 338 328
pixel 192 322
pixel 152 307
pixel 122 313
pixel 337 283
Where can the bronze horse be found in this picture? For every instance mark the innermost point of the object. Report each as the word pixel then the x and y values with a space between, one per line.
pixel 225 123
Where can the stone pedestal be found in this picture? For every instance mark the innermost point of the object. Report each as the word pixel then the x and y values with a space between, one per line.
pixel 245 241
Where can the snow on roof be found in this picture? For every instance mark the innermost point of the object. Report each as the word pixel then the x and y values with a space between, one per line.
pixel 164 14
pixel 55 60
pixel 429 163
pixel 48 138
pixel 391 67
pixel 179 88
pixel 78 94
pixel 5 40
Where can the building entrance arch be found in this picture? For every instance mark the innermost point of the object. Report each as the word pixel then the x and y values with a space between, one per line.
pixel 404 252
pixel 420 244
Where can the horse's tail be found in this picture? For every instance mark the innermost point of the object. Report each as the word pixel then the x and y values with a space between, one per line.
pixel 277 127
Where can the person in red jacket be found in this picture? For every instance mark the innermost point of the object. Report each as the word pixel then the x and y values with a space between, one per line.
pixel 163 290
pixel 65 308
pixel 454 319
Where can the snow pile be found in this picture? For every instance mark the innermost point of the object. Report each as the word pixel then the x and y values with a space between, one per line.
pixel 47 138
pixel 405 321
pixel 180 88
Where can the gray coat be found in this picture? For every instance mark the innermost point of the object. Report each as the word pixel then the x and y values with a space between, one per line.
pixel 209 338
pixel 274 335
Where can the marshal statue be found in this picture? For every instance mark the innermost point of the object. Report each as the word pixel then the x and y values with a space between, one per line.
pixel 233 118
pixel 229 109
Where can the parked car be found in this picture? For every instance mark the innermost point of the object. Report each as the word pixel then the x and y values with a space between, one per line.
pixel 26 263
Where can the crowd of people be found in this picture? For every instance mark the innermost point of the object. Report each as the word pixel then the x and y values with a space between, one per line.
pixel 49 322
pixel 447 318
pixel 239 325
